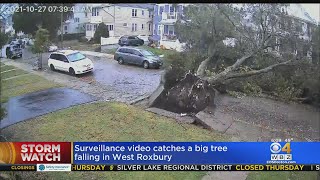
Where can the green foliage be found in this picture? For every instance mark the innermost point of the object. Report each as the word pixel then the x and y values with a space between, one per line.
pixel 236 94
pixel 178 64
pixel 28 22
pixel 3 39
pixel 101 31
pixel 73 36
pixel 252 89
pixel 83 39
pixel 41 41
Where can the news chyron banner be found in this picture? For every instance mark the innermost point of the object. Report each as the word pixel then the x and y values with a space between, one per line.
pixel 160 156
pixel 28 156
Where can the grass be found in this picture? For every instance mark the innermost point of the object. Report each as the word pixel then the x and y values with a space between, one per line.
pixel 6 68
pixel 108 121
pixel 22 85
pixel 277 175
pixel 9 74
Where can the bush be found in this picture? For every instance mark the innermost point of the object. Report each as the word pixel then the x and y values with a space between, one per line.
pixel 177 65
pixel 101 31
pixel 252 89
pixel 83 39
pixel 74 36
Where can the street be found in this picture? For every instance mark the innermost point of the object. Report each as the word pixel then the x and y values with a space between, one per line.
pixel 130 81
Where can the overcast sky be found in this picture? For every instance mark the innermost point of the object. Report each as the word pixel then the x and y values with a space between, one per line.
pixel 313 10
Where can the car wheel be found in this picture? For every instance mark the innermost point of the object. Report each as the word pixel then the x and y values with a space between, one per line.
pixel 52 67
pixel 72 72
pixel 146 64
pixel 120 61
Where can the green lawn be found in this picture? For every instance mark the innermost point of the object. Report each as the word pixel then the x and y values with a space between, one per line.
pixel 23 84
pixel 108 122
pixel 6 68
pixel 15 72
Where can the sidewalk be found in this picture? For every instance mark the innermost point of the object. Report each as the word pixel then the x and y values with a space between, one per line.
pixel 97 54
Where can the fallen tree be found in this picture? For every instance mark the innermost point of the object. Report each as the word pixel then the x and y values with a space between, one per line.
pixel 252 30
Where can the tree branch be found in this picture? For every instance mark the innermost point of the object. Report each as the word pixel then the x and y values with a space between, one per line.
pixel 204 64
pixel 256 72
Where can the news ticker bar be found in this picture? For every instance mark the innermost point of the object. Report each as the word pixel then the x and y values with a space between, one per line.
pixel 74 167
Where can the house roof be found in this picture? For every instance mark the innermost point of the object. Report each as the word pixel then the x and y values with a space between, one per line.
pixel 142 6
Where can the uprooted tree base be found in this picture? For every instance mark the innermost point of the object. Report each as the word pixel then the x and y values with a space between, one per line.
pixel 189 95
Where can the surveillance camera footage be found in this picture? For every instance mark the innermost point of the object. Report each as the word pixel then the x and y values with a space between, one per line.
pixel 201 91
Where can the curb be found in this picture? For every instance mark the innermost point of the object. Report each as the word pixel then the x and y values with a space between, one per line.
pixel 139 100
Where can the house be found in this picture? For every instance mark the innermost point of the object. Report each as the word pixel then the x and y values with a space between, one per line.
pixel 295 19
pixel 76 22
pixel 121 19
pixel 165 17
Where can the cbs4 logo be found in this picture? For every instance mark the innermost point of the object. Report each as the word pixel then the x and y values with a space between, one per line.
pixel 277 148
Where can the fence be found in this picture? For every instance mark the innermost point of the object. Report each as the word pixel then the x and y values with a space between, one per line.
pixel 109 40
pixel 175 45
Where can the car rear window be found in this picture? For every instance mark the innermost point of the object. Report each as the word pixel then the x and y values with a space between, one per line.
pixel 54 56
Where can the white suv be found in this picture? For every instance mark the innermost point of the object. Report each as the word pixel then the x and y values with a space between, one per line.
pixel 70 61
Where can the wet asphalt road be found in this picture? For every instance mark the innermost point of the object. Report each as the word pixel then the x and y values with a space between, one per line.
pixel 131 81
pixel 35 104
pixel 127 79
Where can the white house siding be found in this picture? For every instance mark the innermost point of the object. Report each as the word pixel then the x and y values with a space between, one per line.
pixel 119 21
pixel 76 23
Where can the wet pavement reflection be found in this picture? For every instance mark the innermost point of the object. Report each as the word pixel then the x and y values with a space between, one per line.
pixel 28 106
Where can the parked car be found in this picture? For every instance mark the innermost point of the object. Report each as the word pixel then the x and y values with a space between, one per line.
pixel 137 56
pixel 130 41
pixel 13 50
pixel 70 61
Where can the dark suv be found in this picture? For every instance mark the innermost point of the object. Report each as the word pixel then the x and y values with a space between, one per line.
pixel 130 41
pixel 137 56
pixel 14 50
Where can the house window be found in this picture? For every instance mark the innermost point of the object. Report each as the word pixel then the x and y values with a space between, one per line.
pixel 150 27
pixel 150 14
pixel 142 26
pixel 65 28
pixel 134 12
pixel 142 12
pixel 95 27
pixel 110 27
pixel 86 14
pixel 95 12
pixel 89 27
pixel 160 10
pixel 171 9
pixel 76 19
pixel 134 27
pixel 159 30
pixel 125 24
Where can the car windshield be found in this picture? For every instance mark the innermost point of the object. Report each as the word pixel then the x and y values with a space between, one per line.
pixel 76 57
pixel 146 53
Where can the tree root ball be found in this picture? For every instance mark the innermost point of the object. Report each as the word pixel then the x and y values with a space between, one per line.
pixel 190 95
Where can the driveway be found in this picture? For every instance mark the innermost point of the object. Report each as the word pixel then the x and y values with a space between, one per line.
pixel 129 82
pixel 35 104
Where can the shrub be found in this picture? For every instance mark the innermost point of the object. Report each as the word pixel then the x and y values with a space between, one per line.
pixel 101 31
pixel 74 36
pixel 252 89
pixel 83 39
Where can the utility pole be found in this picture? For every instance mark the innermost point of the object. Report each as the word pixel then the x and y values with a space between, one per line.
pixel 114 19
pixel 61 29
